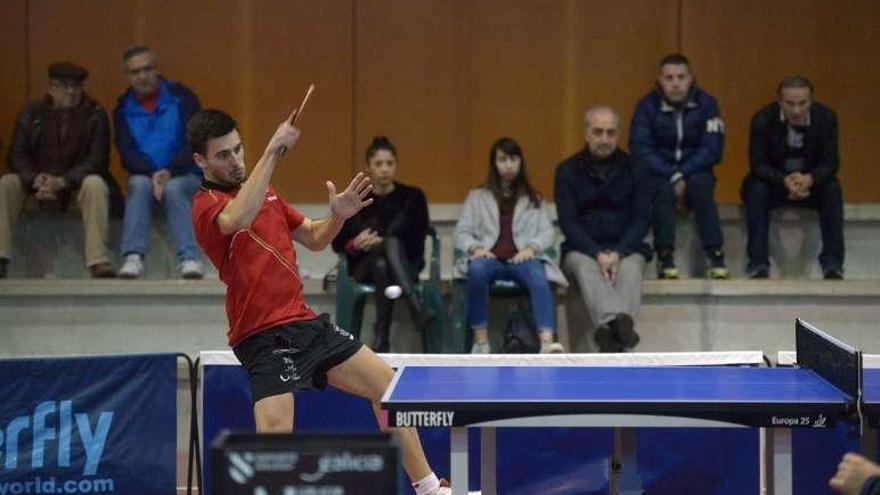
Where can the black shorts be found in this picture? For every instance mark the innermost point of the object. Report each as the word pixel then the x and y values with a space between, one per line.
pixel 294 356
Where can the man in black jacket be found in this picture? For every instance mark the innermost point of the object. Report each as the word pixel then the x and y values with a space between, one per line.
pixel 604 209
pixel 793 161
pixel 59 156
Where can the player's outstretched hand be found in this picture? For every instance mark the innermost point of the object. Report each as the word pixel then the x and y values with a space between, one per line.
pixel 350 201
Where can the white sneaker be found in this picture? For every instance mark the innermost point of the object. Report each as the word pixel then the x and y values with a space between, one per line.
pixel 444 489
pixel 552 348
pixel 133 267
pixel 191 269
pixel 482 348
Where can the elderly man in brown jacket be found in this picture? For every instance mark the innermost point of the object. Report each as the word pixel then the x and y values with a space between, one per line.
pixel 59 154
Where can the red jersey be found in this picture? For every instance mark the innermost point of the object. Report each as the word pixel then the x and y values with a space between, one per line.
pixel 258 265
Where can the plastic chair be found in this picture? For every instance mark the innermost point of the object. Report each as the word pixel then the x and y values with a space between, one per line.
pixel 352 295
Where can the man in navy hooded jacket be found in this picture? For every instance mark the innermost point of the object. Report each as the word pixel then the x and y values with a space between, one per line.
pixel 150 121
pixel 678 135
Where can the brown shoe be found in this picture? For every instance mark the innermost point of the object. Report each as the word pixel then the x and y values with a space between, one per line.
pixel 102 270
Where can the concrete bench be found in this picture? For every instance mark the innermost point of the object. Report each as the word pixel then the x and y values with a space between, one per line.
pixel 52 247
pixel 64 317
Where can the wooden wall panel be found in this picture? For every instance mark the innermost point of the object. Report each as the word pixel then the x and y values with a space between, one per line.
pixel 252 59
pixel 536 67
pixel 408 71
pixel 255 60
pixel 13 69
pixel 741 50
pixel 444 78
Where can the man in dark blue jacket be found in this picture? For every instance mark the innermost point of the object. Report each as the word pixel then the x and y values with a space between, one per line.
pixel 603 205
pixel 150 120
pixel 793 162
pixel 678 134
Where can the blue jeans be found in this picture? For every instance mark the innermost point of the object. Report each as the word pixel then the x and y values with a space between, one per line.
pixel 177 202
pixel 529 275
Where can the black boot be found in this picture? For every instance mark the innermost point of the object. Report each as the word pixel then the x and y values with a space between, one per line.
pixel 422 315
pixel 626 333
pixel 384 312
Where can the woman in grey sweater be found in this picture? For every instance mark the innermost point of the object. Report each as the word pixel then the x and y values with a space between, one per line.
pixel 505 230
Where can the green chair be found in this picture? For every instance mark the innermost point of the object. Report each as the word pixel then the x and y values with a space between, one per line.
pixel 462 337
pixel 352 295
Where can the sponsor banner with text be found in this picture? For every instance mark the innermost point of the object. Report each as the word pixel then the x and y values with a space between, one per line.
pixel 100 424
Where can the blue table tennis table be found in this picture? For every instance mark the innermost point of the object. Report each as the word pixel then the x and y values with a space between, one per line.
pixel 489 397
pixel 871 404
pixel 871 395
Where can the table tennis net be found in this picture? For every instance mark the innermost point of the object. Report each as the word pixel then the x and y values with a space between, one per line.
pixel 837 362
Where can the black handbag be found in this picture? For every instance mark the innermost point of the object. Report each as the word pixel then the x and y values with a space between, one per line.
pixel 521 334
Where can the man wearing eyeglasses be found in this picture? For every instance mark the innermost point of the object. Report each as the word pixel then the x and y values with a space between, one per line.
pixel 150 120
pixel 59 153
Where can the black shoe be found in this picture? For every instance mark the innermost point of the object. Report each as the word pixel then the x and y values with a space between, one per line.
pixel 606 339
pixel 3 264
pixel 759 273
pixel 833 273
pixel 666 269
pixel 717 268
pixel 422 315
pixel 626 333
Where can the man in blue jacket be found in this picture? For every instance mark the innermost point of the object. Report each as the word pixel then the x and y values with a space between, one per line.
pixel 793 161
pixel 678 134
pixel 150 120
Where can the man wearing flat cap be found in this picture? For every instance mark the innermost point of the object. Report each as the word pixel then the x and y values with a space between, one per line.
pixel 59 156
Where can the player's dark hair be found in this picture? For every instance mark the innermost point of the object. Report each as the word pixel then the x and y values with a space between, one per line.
pixel 379 143
pixel 521 185
pixel 206 125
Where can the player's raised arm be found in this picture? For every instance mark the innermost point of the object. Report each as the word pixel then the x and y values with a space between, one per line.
pixel 242 210
pixel 317 234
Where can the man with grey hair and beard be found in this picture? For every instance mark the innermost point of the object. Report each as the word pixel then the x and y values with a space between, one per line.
pixel 604 211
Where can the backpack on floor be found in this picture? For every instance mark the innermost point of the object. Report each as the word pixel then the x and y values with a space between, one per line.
pixel 520 333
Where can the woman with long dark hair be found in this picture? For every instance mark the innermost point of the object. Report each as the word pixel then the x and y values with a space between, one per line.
pixel 505 230
pixel 385 241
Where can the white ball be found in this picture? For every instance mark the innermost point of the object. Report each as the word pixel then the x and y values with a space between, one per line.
pixel 393 291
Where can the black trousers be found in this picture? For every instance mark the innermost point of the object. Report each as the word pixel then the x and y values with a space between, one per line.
pixel 386 264
pixel 759 198
pixel 700 197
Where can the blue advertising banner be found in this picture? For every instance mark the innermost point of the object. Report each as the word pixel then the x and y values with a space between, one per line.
pixel 89 425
